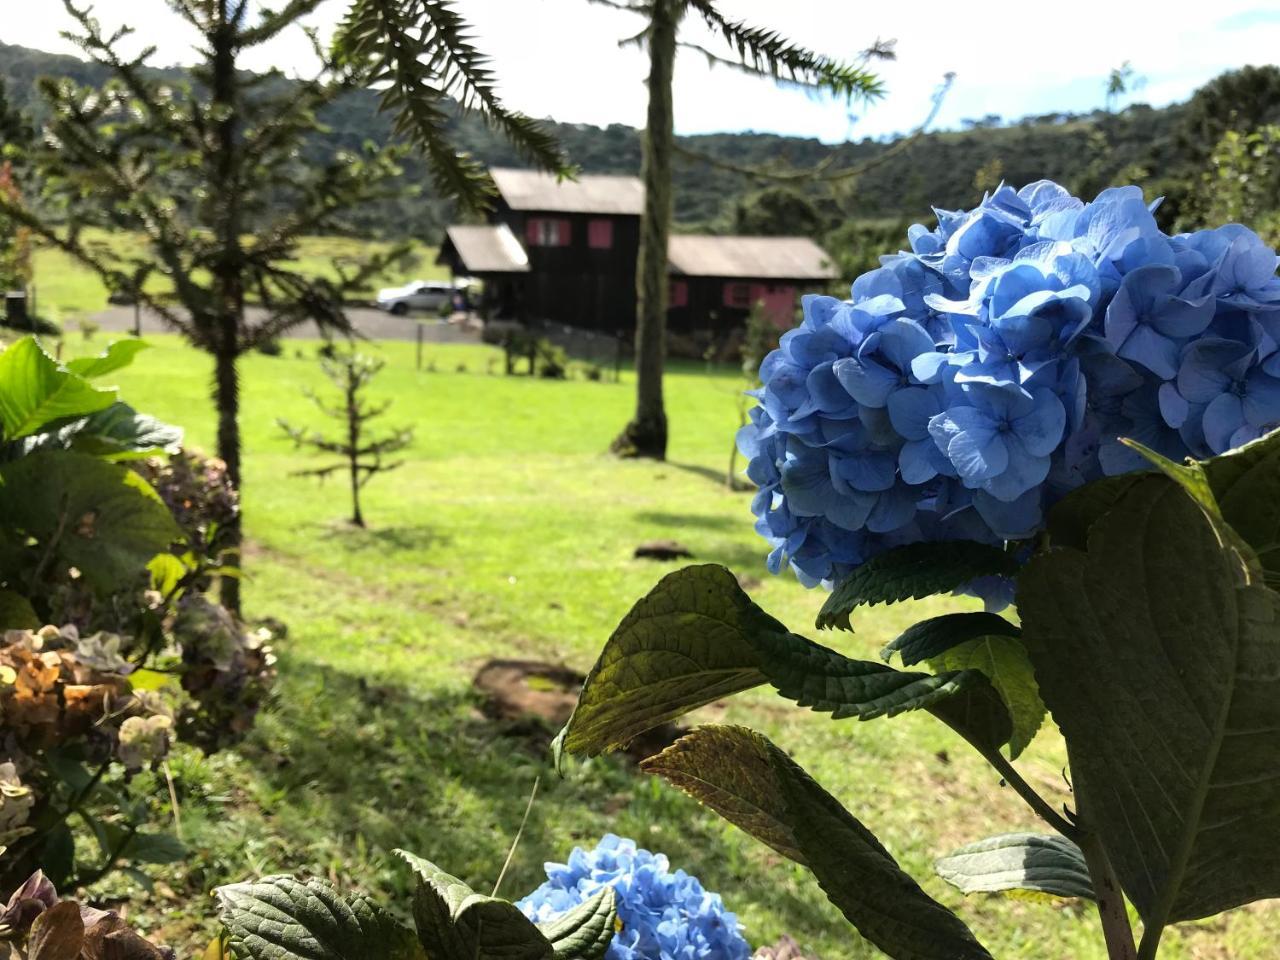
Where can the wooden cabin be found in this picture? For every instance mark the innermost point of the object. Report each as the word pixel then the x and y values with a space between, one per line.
pixel 564 252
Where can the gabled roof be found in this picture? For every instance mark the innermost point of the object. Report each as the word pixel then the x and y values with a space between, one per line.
pixel 486 248
pixel 534 190
pixel 749 258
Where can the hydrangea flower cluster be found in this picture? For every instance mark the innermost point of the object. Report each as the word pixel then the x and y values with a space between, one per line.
pixel 664 915
pixel 974 380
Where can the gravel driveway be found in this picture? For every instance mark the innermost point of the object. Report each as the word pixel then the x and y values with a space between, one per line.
pixel 374 324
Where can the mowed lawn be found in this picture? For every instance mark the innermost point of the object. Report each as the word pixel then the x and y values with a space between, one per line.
pixel 67 292
pixel 509 533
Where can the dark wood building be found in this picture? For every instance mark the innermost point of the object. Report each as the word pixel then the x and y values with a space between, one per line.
pixel 565 253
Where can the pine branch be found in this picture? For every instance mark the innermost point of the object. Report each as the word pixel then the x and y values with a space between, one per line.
pixel 384 41
pixel 764 52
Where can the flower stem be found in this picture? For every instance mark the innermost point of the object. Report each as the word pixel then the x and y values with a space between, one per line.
pixel 1027 792
pixel 1111 908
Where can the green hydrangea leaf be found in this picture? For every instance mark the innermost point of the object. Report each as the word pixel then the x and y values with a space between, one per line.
pixel 117 355
pixel 1004 662
pixel 1019 861
pixel 117 433
pixel 280 918
pixel 585 932
pixel 99 517
pixel 34 391
pixel 914 571
pixel 697 637
pixel 929 638
pixel 757 787
pixel 1246 483
pixel 456 923
pixel 1158 654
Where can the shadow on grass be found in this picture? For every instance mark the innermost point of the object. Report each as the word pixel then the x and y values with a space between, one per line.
pixel 412 537
pixel 678 521
pixel 355 769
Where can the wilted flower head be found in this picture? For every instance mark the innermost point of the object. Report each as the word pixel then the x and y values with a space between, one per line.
pixel 665 915
pixel 969 383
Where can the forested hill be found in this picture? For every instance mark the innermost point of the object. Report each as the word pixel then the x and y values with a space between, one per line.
pixel 945 169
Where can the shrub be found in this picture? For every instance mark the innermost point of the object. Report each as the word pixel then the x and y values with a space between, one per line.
pixel 113 568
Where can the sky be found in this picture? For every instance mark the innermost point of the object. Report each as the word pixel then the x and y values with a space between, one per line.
pixel 561 59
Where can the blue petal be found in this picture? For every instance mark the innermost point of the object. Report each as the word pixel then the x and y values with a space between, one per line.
pixel 1010 519
pixel 1024 472
pixel 1222 417
pixel 1153 350
pixel 867 381
pixel 910 410
pixel 1041 429
pixel 1261 399
pixel 916 461
pixel 975 447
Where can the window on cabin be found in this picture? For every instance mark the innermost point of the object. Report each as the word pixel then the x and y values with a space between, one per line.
pixel 678 293
pixel 737 295
pixel 548 232
pixel 600 234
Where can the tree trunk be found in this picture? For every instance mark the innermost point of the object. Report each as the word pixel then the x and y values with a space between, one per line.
pixel 646 434
pixel 353 442
pixel 226 398
pixel 228 311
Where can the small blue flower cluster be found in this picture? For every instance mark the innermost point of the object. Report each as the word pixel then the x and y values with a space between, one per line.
pixel 971 382
pixel 665 915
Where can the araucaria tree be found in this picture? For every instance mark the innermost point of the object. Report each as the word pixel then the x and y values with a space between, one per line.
pixel 209 172
pixel 753 50
pixel 362 454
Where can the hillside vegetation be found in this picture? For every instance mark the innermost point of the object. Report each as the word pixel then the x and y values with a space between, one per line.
pixel 1161 148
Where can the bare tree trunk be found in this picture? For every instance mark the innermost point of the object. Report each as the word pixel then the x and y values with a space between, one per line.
pixel 646 434
pixel 229 284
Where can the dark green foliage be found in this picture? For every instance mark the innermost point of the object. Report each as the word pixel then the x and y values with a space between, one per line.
pixel 935 636
pixel 279 918
pixel 585 932
pixel 1190 784
pixel 697 638
pixel 385 41
pixel 754 785
pixel 912 572
pixel 1019 861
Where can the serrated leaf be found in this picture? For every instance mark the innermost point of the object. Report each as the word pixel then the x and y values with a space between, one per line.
pixel 16 612
pixel 757 787
pixel 118 354
pixel 1160 662
pixel 456 923
pixel 914 571
pixel 934 636
pixel 280 918
pixel 99 517
pixel 34 391
pixel 1070 519
pixel 585 932
pixel 1004 662
pixel 696 637
pixel 1246 484
pixel 1019 861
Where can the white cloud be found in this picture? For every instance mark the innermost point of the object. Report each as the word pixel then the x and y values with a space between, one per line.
pixel 560 58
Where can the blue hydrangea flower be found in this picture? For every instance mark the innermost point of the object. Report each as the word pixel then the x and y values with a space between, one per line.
pixel 974 379
pixel 665 915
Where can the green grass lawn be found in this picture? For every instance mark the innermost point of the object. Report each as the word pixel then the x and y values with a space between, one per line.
pixel 509 533
pixel 67 291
